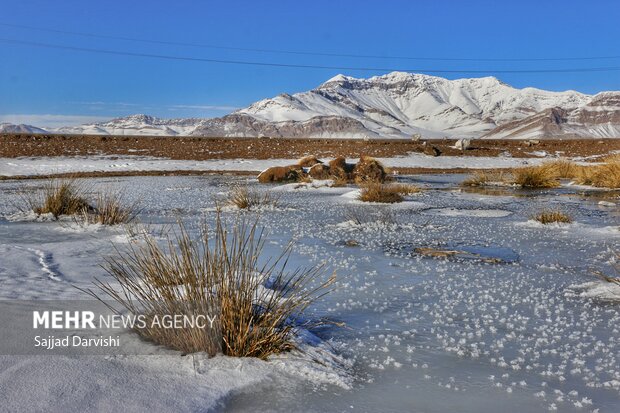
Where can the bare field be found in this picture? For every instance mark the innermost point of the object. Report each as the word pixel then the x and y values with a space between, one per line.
pixel 197 148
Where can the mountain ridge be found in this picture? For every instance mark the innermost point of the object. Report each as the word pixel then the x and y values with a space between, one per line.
pixel 396 105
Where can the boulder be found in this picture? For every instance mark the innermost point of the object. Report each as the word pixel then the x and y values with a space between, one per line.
pixel 463 144
pixel 309 161
pixel 319 171
pixel 432 150
pixel 368 169
pixel 290 173
pixel 339 168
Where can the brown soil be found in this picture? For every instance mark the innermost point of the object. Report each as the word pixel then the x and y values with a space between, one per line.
pixel 194 148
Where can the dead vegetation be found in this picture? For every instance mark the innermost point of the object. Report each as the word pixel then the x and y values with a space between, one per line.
pixel 563 168
pixel 604 175
pixel 110 208
pixel 71 197
pixel 243 197
pixel 551 216
pixel 548 175
pixel 616 267
pixel 484 178
pixel 256 304
pixel 57 197
pixel 386 193
pixel 542 176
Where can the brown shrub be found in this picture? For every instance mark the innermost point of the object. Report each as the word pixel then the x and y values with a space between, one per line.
pixel 109 209
pixel 482 178
pixel 605 175
pixel 541 176
pixel 58 197
pixel 244 198
pixel 257 308
pixel 563 168
pixel 550 216
pixel 368 169
pixel 309 161
pixel 280 174
pixel 386 193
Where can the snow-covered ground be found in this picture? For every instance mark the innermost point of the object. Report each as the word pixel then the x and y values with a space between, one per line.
pixel 60 164
pixel 423 334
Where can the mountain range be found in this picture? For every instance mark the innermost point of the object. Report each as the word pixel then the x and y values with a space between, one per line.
pixel 395 105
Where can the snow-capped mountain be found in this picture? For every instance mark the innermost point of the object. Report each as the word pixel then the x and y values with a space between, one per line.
pixel 21 128
pixel 136 125
pixel 599 118
pixel 397 105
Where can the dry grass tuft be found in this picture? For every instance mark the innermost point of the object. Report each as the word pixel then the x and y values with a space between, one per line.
pixel 386 193
pixel 563 168
pixel 483 178
pixel 58 197
pixel 257 307
pixel 552 216
pixel 543 176
pixel 616 267
pixel 606 175
pixel 243 197
pixel 110 209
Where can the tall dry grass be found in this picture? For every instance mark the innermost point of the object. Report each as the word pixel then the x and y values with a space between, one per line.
pixel 563 168
pixel 57 197
pixel 386 193
pixel 225 275
pixel 615 264
pixel 243 197
pixel 483 178
pixel 542 176
pixel 604 175
pixel 109 208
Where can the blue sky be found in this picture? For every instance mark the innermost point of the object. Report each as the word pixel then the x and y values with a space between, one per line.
pixel 48 87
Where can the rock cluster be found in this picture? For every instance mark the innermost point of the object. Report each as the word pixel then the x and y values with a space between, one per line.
pixel 367 169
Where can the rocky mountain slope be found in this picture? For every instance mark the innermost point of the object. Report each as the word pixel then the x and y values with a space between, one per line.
pixel 397 105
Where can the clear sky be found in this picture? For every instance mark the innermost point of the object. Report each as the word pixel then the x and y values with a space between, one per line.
pixel 47 87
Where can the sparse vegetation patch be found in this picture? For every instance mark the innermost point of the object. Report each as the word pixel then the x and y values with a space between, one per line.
pixel 257 307
pixel 57 197
pixel 386 193
pixel 552 216
pixel 543 176
pixel 109 208
pixel 243 197
pixel 484 178
pixel 605 175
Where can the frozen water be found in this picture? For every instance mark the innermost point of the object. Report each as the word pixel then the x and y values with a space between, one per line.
pixel 420 334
